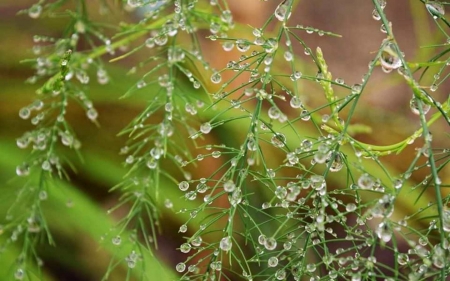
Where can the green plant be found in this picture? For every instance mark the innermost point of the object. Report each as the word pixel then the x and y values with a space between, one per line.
pixel 290 191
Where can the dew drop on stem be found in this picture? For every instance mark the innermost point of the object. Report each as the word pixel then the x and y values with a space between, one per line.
pixel 35 11
pixel 436 8
pixel 226 244
pixel 389 58
pixel 283 10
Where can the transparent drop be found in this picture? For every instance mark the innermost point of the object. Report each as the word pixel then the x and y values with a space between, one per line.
pixel 389 58
pixel 356 89
pixel 278 140
pixel 183 228
pixel 402 259
pixel 295 102
pixel 23 170
pixel 280 192
pixel 436 8
pixel 252 145
pixel 205 128
pixel 242 45
pixel 274 112
pixel 311 267
pixel 446 220
pixel 272 261
pixel 350 207
pixel 229 186
pixel 271 45
pixel 282 12
pixel 376 15
pixel 337 164
pixel 414 105
pixel 35 11
pixel 19 274
pixel 384 232
pixel 270 243
pixel 180 267
pixel 366 182
pixel 185 248
pixel 116 240
pixel 288 56
pixel 216 78
pixel 92 114
pixel 280 274
pixel 307 145
pixel 305 116
pixel 226 244
pixel 24 113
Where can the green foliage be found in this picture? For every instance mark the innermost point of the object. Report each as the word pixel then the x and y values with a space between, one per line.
pixel 240 169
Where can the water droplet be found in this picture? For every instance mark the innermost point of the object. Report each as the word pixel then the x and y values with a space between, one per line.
pixel 376 15
pixel 183 228
pixel 389 57
pixel 397 183
pixel 436 8
pixel 185 248
pixel 216 78
pixel 92 114
pixel 161 40
pixel 271 45
pixel 295 102
pixel 272 261
pixel 446 220
pixel 180 267
pixel 205 128
pixel 283 11
pixel 274 112
pixel 117 240
pixel 278 140
pixel 384 232
pixel 191 195
pixel 350 207
pixel 242 45
pixel 24 113
pixel 19 274
pixel 226 244
pixel 43 195
pixel 402 259
pixel 168 204
pixel 366 182
pixel 288 56
pixel 35 11
pixel 311 267
pixel 23 170
pixel 229 186
pixel 414 105
pixel 270 243
pixel 337 164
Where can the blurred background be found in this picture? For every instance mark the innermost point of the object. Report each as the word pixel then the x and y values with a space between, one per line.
pixel 78 256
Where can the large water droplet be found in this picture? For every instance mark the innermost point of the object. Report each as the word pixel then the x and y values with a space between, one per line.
pixel 180 267
pixel 229 186
pixel 389 57
pixel 216 78
pixel 271 45
pixel 272 261
pixel 282 12
pixel 270 243
pixel 205 128
pixel 436 8
pixel 35 11
pixel 226 244
pixel 384 232
pixel 414 105
pixel 278 140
